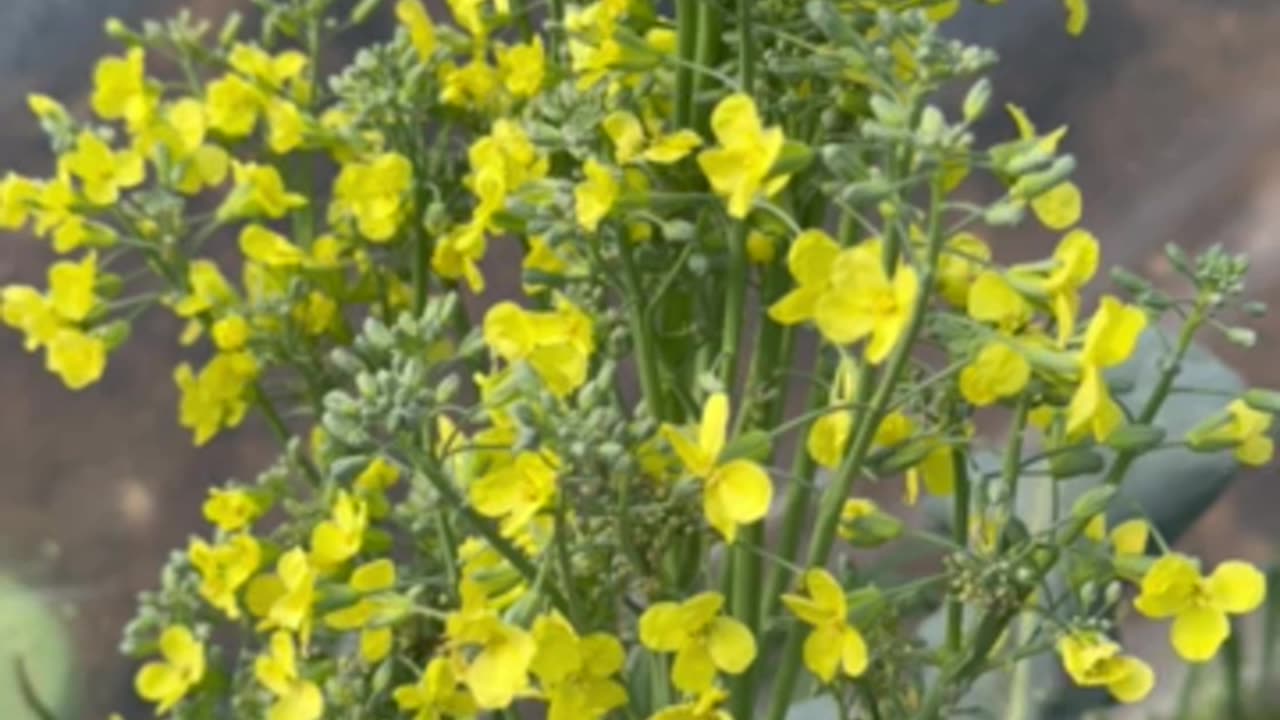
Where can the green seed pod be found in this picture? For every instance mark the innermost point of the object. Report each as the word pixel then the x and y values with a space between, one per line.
pixel 1076 462
pixel 1136 438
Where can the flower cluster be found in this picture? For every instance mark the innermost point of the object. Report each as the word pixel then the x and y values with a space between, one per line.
pixel 523 298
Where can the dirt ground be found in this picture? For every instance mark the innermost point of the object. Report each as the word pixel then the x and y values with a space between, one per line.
pixel 1175 119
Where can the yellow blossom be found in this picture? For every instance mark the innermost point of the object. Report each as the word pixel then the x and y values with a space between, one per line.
pixel 517 491
pixel 963 258
pixel 209 290
pixel 1059 207
pixel 269 248
pixel 230 333
pixel 272 71
pixel 734 493
pixel 577 673
pixel 864 302
pixel 1109 340
pixel 422 31
pixel 437 695
pixel 120 90
pixel 993 300
pixel 632 142
pixel 1174 588
pixel 77 358
pixel 224 569
pixel 833 643
pixel 277 671
pixel 498 667
pixel 217 397
pixel 705 707
pixel 998 371
pixel 338 539
pixel 259 191
pixel 284 599
pixel 233 105
pixel 557 344
pixel 286 126
pixel 594 197
pixel 374 194
pixel 1247 429
pixel 703 640
pixel 166 682
pixel 369 581
pixel 523 67
pixel 231 509
pixel 17 198
pixel 474 86
pixel 739 168
pixel 828 437
pixel 1092 660
pixel 103 173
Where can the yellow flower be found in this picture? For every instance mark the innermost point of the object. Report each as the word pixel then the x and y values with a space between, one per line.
pixel 78 359
pixel 1092 660
pixel 457 253
pixel 864 301
pixel 474 86
pixel 997 372
pixel 739 168
pixel 166 682
pixel 517 491
pixel 761 248
pixel 963 258
pixel 373 193
pixel 705 707
pixel 17 198
pixel 557 344
pixel 368 581
pixel 437 694
pixel 1248 429
pixel 217 397
pixel 734 493
pixel 209 290
pixel 810 260
pixel 224 569
pixel 259 191
pixel 828 437
pixel 832 644
pixel 576 673
pixel 270 70
pixel 1059 207
pixel 594 197
pixel 1075 261
pixel 378 476
pixel 1109 340
pixel 103 173
pixel 231 509
pixel 993 300
pixel 703 640
pixel 284 599
pixel 277 670
pixel 269 248
pixel 1128 539
pixel 422 32
pixel 286 126
pixel 498 668
pixel 25 309
pixel 230 333
pixel 233 105
pixel 632 142
pixel 338 539
pixel 1173 587
pixel 316 313
pixel 523 67
pixel 120 89
pixel 1077 15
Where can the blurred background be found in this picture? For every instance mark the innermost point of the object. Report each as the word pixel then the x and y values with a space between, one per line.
pixel 1175 120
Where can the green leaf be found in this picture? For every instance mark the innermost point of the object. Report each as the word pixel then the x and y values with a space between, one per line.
pixel 30 631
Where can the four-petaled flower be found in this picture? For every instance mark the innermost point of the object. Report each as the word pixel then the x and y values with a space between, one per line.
pixel 1094 661
pixel 166 682
pixel 702 639
pixel 1173 587
pixel 833 643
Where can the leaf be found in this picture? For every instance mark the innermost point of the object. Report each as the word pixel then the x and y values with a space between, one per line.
pixel 30 631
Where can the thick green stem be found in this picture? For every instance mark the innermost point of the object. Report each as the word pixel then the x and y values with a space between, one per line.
pixel 687 46
pixel 833 498
pixel 646 350
pixel 960 534
pixel 735 302
pixel 566 563
pixel 708 56
pixel 1010 471
pixel 555 13
pixel 1168 374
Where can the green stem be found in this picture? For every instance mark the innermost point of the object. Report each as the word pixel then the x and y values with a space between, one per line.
pixel 1168 374
pixel 708 56
pixel 555 13
pixel 734 307
pixel 960 534
pixel 796 503
pixel 520 10
pixel 1013 451
pixel 687 44
pixel 746 47
pixel 281 431
pixel 642 340
pixel 824 533
pixel 566 563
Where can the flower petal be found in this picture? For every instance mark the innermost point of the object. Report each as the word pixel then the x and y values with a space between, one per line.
pixel 1198 632
pixel 1237 587
pixel 731 645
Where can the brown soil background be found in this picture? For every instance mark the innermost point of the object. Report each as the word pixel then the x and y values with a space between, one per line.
pixel 1175 115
